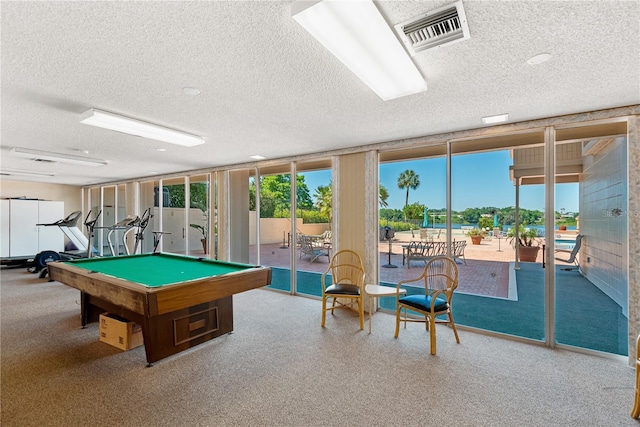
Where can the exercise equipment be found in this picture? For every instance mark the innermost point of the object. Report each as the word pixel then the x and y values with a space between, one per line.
pixel 125 226
pixel 69 226
pixel 131 224
pixel 141 226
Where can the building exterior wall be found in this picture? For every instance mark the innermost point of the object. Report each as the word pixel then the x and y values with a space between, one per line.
pixel 603 219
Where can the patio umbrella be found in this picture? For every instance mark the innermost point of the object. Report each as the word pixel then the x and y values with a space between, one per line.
pixel 425 220
pixel 495 220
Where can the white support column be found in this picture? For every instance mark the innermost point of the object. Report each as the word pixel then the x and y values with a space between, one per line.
pixel 549 220
pixel 633 230
pixel 257 231
pixel 294 227
pixel 516 235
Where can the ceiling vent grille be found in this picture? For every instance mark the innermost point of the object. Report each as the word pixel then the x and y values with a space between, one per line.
pixel 447 24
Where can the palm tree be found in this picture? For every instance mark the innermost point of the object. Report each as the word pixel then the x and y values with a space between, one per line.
pixel 408 179
pixel 383 195
pixel 323 200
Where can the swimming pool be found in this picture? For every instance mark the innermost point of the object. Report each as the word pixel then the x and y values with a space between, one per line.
pixel 565 244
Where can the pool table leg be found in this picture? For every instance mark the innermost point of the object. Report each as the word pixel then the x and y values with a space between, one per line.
pixel 84 309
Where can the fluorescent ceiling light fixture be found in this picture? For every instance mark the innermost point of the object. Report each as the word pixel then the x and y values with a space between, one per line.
pixel 136 127
pixel 258 157
pixel 47 156
pixel 25 173
pixel 489 120
pixel 357 34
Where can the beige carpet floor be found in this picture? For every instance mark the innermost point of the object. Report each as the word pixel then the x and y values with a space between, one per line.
pixel 280 368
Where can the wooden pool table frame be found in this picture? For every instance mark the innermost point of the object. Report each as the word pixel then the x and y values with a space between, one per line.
pixel 173 317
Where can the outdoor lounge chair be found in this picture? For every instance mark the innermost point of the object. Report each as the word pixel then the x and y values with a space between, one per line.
pixel 314 247
pixel 573 257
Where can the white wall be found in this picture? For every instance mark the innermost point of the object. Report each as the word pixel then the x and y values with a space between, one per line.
pixel 274 230
pixel 71 195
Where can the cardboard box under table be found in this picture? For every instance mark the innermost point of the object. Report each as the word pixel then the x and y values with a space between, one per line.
pixel 180 301
pixel 120 332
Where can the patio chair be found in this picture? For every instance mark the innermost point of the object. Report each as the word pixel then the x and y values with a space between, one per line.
pixel 314 248
pixel 347 283
pixel 327 238
pixel 457 251
pixel 440 280
pixel 573 254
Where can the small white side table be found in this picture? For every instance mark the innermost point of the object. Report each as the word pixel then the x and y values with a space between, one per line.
pixel 377 291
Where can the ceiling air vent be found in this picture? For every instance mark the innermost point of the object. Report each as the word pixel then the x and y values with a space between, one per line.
pixel 447 24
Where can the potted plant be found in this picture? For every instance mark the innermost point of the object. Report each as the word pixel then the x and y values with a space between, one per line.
pixel 476 235
pixel 528 240
pixel 203 229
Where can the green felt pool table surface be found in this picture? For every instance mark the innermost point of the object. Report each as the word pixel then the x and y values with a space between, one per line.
pixel 159 269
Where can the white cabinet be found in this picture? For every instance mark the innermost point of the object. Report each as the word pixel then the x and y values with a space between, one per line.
pixel 50 238
pixel 21 237
pixel 4 224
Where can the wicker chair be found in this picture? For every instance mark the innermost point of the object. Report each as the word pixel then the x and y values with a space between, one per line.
pixel 635 412
pixel 439 279
pixel 347 284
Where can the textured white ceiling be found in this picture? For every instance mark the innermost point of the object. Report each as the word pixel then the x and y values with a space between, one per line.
pixel 267 87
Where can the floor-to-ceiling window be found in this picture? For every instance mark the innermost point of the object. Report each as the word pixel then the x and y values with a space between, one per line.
pixel 494 186
pixel 412 206
pixel 281 236
pixel 502 227
pixel 531 203
pixel 314 237
pixel 270 223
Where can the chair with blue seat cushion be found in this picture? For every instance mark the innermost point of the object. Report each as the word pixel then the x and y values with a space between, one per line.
pixel 437 283
pixel 347 283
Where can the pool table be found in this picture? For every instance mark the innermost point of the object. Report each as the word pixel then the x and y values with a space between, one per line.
pixel 180 301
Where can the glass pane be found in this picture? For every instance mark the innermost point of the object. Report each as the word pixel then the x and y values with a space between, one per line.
pixel 199 215
pixel 95 204
pixel 495 199
pixel 149 199
pixel 275 227
pixel 591 283
pixel 412 200
pixel 313 244
pixel 112 243
pixel 253 248
pixel 174 223
pixel 213 231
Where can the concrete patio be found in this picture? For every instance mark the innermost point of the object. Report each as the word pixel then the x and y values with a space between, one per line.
pixel 486 271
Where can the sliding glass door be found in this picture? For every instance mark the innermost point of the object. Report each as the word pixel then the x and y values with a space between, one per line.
pixel 591 239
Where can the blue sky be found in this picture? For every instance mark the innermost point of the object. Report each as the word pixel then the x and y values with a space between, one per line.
pixel 478 180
